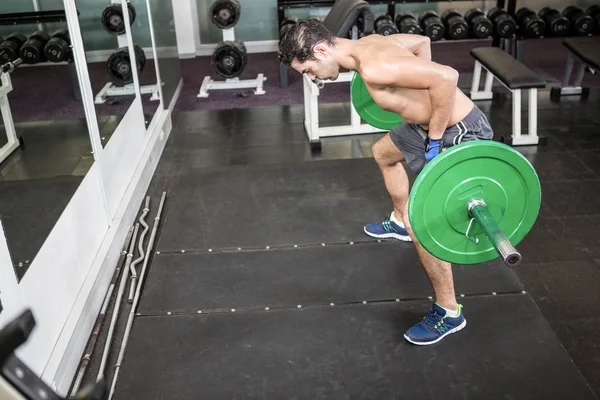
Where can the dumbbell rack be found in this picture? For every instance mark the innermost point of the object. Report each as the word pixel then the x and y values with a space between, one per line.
pixel 21 18
pixel 112 90
pixel 232 83
pixel 516 46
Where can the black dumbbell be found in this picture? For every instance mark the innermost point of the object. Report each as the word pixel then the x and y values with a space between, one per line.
pixel 229 58
pixel 119 66
pixel 556 23
pixel 58 48
pixel 479 25
pixel 384 25
pixel 10 49
pixel 407 23
pixel 594 12
pixel 225 14
pixel 113 20
pixel 530 24
pixel 32 51
pixel 581 23
pixel 432 25
pixel 454 24
pixel 504 25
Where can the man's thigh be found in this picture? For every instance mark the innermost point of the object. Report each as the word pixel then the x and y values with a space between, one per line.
pixel 410 140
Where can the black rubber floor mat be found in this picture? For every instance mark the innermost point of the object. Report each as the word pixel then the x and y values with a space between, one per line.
pixel 303 203
pixel 316 275
pixel 506 351
pixel 29 210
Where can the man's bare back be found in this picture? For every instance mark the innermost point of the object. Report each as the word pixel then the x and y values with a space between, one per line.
pixel 375 53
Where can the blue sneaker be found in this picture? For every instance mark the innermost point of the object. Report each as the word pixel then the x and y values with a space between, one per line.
pixel 387 229
pixel 435 326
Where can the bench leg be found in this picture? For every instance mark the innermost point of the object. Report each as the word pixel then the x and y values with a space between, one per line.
pixel 489 79
pixel 576 89
pixel 580 74
pixel 569 70
pixel 531 138
pixel 311 111
pixel 516 115
pixel 476 94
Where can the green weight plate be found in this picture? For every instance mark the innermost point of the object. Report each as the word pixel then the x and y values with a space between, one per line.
pixel 368 110
pixel 487 170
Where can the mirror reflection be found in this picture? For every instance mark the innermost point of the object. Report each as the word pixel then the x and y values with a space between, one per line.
pixel 46 149
pixel 142 40
pixel 109 65
pixel 166 47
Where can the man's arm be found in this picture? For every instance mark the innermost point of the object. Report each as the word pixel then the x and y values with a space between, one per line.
pixel 419 45
pixel 415 73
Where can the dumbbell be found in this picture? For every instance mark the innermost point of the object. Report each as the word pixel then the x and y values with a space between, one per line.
pixel 432 25
pixel 10 49
pixel 581 23
pixel 454 24
pixel 530 24
pixel 32 51
pixel 479 25
pixel 58 48
pixel 113 19
pixel 504 25
pixel 406 23
pixel 384 25
pixel 556 23
pixel 120 68
pixel 594 12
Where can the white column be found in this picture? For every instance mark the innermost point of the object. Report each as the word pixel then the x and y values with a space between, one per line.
pixel 185 13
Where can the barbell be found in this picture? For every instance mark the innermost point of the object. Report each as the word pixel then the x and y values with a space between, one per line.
pixel 473 202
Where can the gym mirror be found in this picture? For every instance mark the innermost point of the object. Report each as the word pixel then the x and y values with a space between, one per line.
pixel 46 147
pixel 142 40
pixel 166 47
pixel 109 65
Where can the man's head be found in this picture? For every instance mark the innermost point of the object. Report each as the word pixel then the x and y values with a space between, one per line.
pixel 308 48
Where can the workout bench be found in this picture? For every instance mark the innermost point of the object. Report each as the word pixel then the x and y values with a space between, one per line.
pixel 516 77
pixel 586 52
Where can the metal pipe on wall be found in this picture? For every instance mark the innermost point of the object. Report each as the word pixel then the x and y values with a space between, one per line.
pixel 137 296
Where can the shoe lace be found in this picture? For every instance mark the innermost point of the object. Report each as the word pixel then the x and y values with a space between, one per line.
pixel 431 320
pixel 387 225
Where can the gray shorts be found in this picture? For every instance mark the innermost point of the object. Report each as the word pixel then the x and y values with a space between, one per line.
pixel 410 138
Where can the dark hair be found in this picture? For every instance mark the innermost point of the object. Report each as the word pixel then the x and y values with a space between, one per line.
pixel 300 40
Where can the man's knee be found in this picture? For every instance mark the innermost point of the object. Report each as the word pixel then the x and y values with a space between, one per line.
pixel 385 152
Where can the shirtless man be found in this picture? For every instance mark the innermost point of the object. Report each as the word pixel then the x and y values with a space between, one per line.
pixel 401 78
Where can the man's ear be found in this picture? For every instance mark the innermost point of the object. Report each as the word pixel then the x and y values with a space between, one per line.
pixel 320 50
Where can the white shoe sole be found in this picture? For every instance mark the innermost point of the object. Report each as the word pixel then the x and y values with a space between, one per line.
pixel 389 236
pixel 453 330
